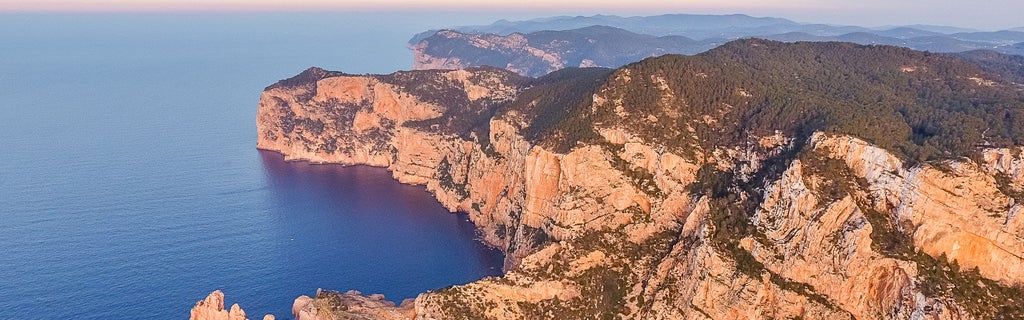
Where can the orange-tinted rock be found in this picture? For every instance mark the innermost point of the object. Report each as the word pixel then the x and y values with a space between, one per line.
pixel 212 308
pixel 566 219
pixel 961 213
pixel 330 305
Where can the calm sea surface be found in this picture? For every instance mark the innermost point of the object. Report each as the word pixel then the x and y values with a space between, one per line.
pixel 130 186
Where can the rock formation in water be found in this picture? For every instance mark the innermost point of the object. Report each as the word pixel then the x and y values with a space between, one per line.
pixel 757 180
pixel 212 308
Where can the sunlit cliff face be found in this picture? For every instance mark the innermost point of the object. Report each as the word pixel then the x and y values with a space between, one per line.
pixel 624 221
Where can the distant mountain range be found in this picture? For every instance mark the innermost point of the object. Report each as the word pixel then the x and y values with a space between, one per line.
pixel 536 47
pixel 687 25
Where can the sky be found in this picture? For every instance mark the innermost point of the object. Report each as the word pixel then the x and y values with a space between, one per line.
pixel 979 14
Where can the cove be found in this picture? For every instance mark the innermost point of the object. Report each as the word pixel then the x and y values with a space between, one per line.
pixel 391 238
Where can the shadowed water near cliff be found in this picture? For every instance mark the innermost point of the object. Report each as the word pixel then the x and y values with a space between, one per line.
pixel 406 239
pixel 130 186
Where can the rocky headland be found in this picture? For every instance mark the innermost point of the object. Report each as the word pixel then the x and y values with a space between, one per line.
pixel 758 180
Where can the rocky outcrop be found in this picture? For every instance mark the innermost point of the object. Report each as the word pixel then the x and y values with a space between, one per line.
pixel 823 226
pixel 958 212
pixel 328 305
pixel 212 308
pixel 1008 162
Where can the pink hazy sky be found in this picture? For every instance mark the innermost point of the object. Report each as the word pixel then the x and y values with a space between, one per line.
pixel 985 14
pixel 261 5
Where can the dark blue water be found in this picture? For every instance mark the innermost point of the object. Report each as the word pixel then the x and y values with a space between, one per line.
pixel 130 186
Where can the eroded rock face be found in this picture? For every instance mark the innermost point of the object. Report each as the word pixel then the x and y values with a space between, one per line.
pixel 844 230
pixel 1009 162
pixel 960 213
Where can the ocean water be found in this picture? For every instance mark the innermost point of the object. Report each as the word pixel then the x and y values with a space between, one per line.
pixel 130 186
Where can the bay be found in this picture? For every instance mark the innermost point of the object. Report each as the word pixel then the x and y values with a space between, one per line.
pixel 130 186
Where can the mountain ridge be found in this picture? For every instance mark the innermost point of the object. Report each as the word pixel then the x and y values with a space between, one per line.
pixel 509 44
pixel 671 23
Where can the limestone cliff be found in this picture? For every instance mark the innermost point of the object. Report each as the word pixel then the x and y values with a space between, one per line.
pixel 609 205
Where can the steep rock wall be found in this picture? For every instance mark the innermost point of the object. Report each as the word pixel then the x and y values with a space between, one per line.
pixel 618 229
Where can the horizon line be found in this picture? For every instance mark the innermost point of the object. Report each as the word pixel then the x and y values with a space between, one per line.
pixel 499 8
pixel 646 6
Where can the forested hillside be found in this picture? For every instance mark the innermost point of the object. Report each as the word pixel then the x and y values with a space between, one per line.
pixel 920 105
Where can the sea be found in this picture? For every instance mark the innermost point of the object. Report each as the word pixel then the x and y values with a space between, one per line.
pixel 131 186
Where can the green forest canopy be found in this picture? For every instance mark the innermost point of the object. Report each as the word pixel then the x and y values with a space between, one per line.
pixel 922 106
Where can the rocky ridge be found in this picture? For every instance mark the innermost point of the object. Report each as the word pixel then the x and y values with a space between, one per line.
pixel 598 216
